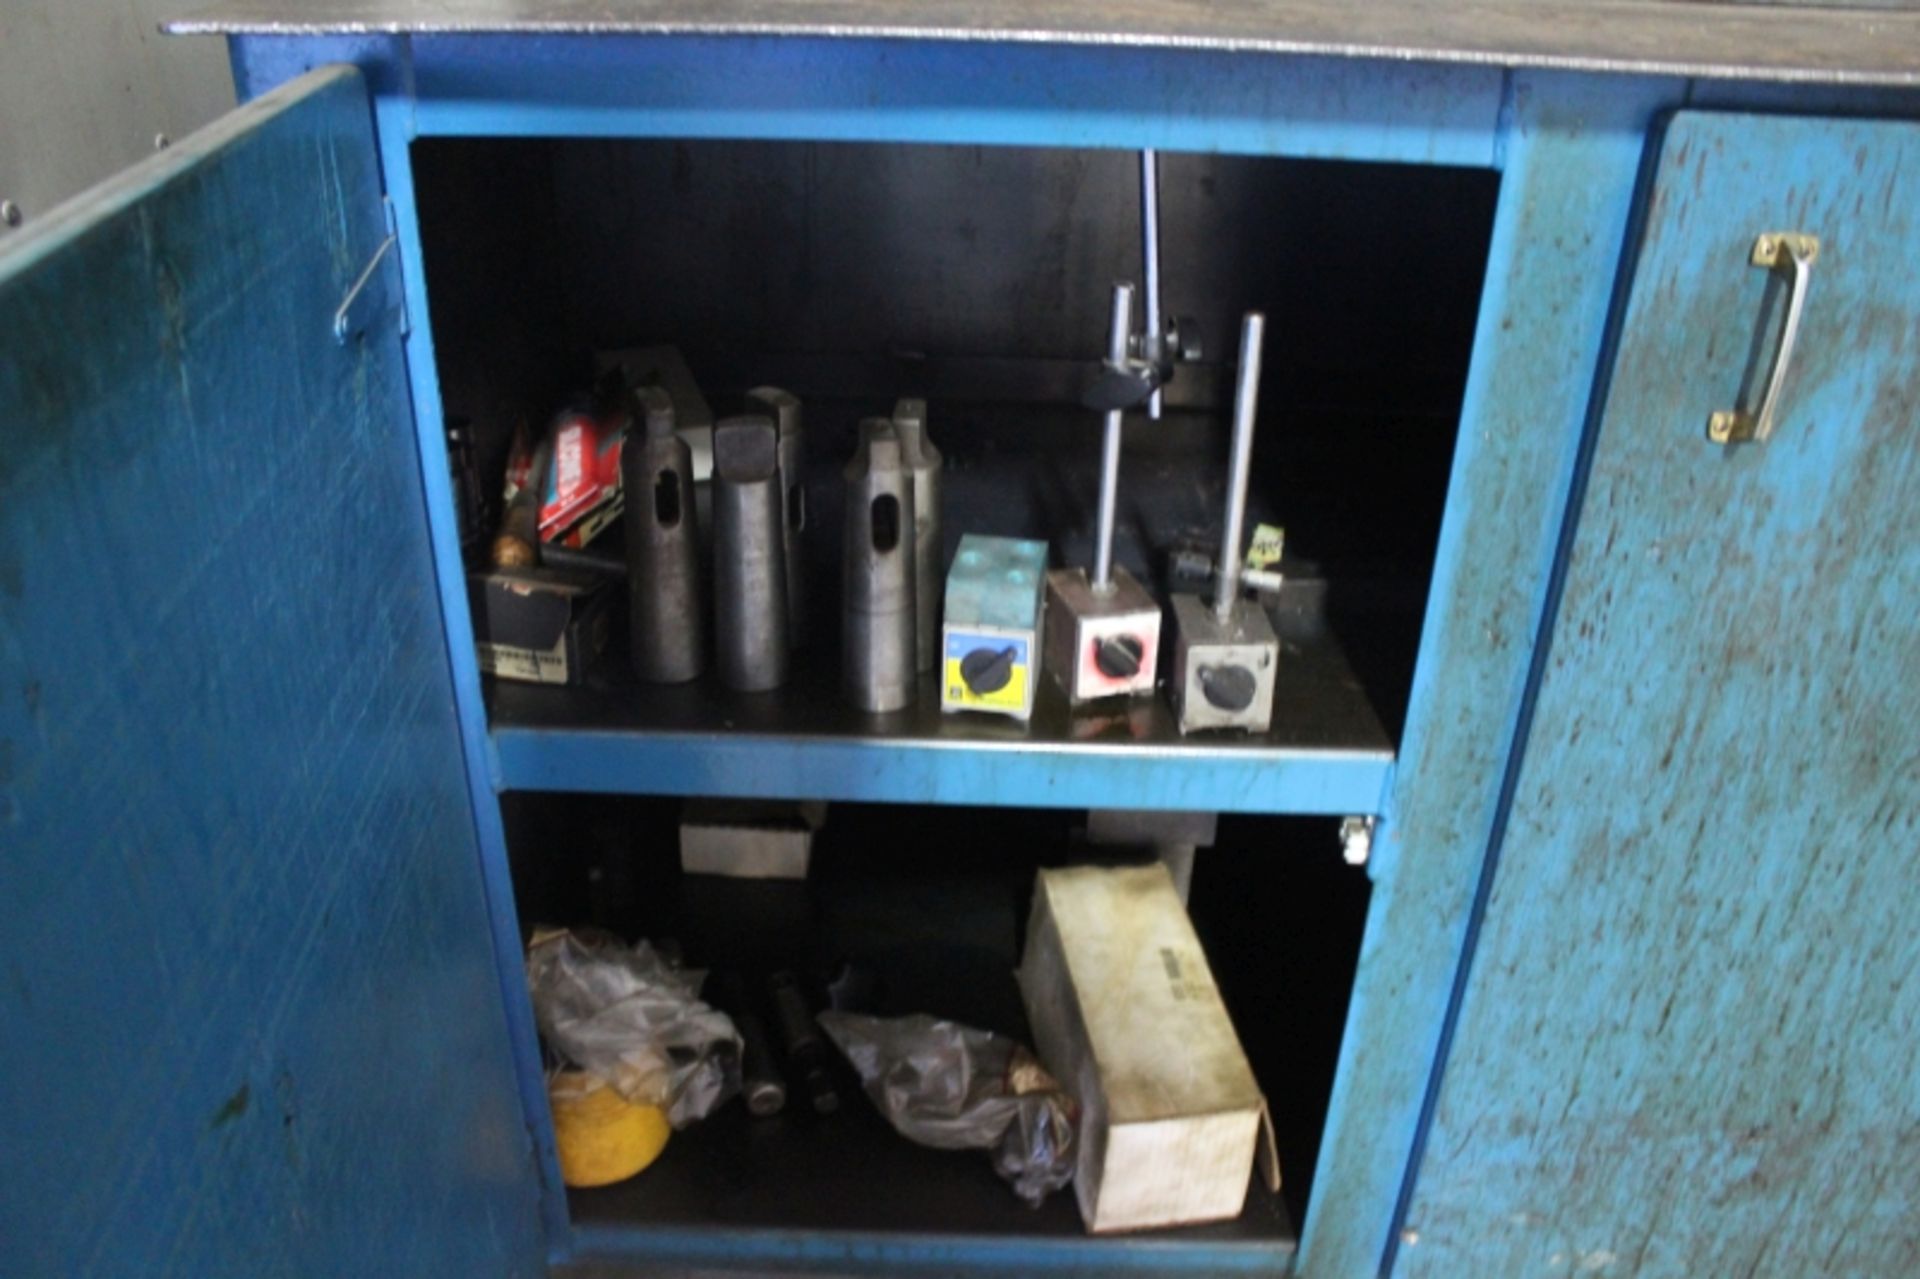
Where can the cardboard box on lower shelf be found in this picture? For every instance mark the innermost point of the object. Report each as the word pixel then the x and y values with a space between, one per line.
pixel 749 839
pixel 1126 1015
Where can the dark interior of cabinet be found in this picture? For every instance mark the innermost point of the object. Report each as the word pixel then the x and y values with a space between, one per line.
pixel 933 904
pixel 979 278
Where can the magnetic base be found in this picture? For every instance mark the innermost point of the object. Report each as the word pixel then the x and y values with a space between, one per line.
pixel 990 645
pixel 983 669
pixel 1101 643
pixel 1222 671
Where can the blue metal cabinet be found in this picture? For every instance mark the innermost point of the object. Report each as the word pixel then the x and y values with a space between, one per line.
pixel 253 1017
pixel 397 835
pixel 1569 150
pixel 1686 1044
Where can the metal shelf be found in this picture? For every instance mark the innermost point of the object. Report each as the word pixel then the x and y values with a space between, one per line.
pixel 847 1193
pixel 939 934
pixel 1327 753
pixel 1022 471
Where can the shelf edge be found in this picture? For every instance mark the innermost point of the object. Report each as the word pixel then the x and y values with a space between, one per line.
pixel 847 1251
pixel 1333 782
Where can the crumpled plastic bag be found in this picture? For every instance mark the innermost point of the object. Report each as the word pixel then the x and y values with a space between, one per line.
pixel 956 1088
pixel 636 1020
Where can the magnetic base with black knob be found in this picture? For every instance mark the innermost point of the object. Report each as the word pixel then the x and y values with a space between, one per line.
pixel 985 671
pixel 1118 656
pixel 1228 686
pixel 1223 671
pixel 1101 643
pixel 990 634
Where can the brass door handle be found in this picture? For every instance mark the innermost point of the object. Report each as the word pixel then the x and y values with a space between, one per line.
pixel 1791 253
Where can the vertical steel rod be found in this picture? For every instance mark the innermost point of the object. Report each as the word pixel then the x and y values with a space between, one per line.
pixel 1119 328
pixel 1246 403
pixel 1150 237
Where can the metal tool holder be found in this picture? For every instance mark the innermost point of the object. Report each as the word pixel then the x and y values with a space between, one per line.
pixel 783 408
pixel 667 609
pixel 1103 631
pixel 1225 653
pixel 991 636
pixel 749 562
pixel 877 622
pixel 925 466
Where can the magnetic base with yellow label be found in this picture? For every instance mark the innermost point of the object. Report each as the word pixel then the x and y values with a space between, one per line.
pixel 987 670
pixel 990 642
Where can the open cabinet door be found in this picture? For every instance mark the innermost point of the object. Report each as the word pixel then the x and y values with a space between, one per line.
pixel 1687 1041
pixel 251 1014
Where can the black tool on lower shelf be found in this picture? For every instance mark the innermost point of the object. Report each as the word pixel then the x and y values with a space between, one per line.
pixel 761 1084
pixel 809 1063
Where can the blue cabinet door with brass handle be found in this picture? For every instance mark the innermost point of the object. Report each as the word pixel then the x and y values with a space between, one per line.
pixel 1686 1038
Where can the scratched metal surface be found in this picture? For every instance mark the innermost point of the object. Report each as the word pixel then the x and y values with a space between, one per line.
pixel 1638 36
pixel 1572 147
pixel 247 994
pixel 1687 1046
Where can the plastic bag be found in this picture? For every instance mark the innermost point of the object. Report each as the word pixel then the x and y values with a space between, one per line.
pixel 956 1088
pixel 636 1020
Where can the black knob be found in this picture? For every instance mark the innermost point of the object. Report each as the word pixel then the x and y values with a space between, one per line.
pixel 1118 656
pixel 1228 688
pixel 1183 339
pixel 987 670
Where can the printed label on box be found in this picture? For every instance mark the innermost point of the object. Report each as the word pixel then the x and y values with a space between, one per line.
pixel 987 671
pixel 507 662
pixel 1268 545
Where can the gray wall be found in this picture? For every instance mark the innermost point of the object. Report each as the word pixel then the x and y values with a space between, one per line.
pixel 85 87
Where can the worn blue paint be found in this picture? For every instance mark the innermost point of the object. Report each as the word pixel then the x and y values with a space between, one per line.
pixel 1686 1041
pixel 1570 151
pixel 394 113
pixel 837 1253
pixel 250 1008
pixel 261 62
pixel 1476 914
pixel 1570 148
pixel 965 771
pixel 911 91
pixel 1502 547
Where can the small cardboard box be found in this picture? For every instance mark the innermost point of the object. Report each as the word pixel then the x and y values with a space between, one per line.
pixel 1126 1015
pixel 542 626
pixel 748 839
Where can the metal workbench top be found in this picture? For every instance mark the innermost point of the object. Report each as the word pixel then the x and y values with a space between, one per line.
pixel 1871 43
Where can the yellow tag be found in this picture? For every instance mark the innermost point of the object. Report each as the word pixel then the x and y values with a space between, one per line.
pixel 1011 695
pixel 1268 541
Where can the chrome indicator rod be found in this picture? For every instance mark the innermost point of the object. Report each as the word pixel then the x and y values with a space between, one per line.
pixel 1150 253
pixel 1119 328
pixel 1246 404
